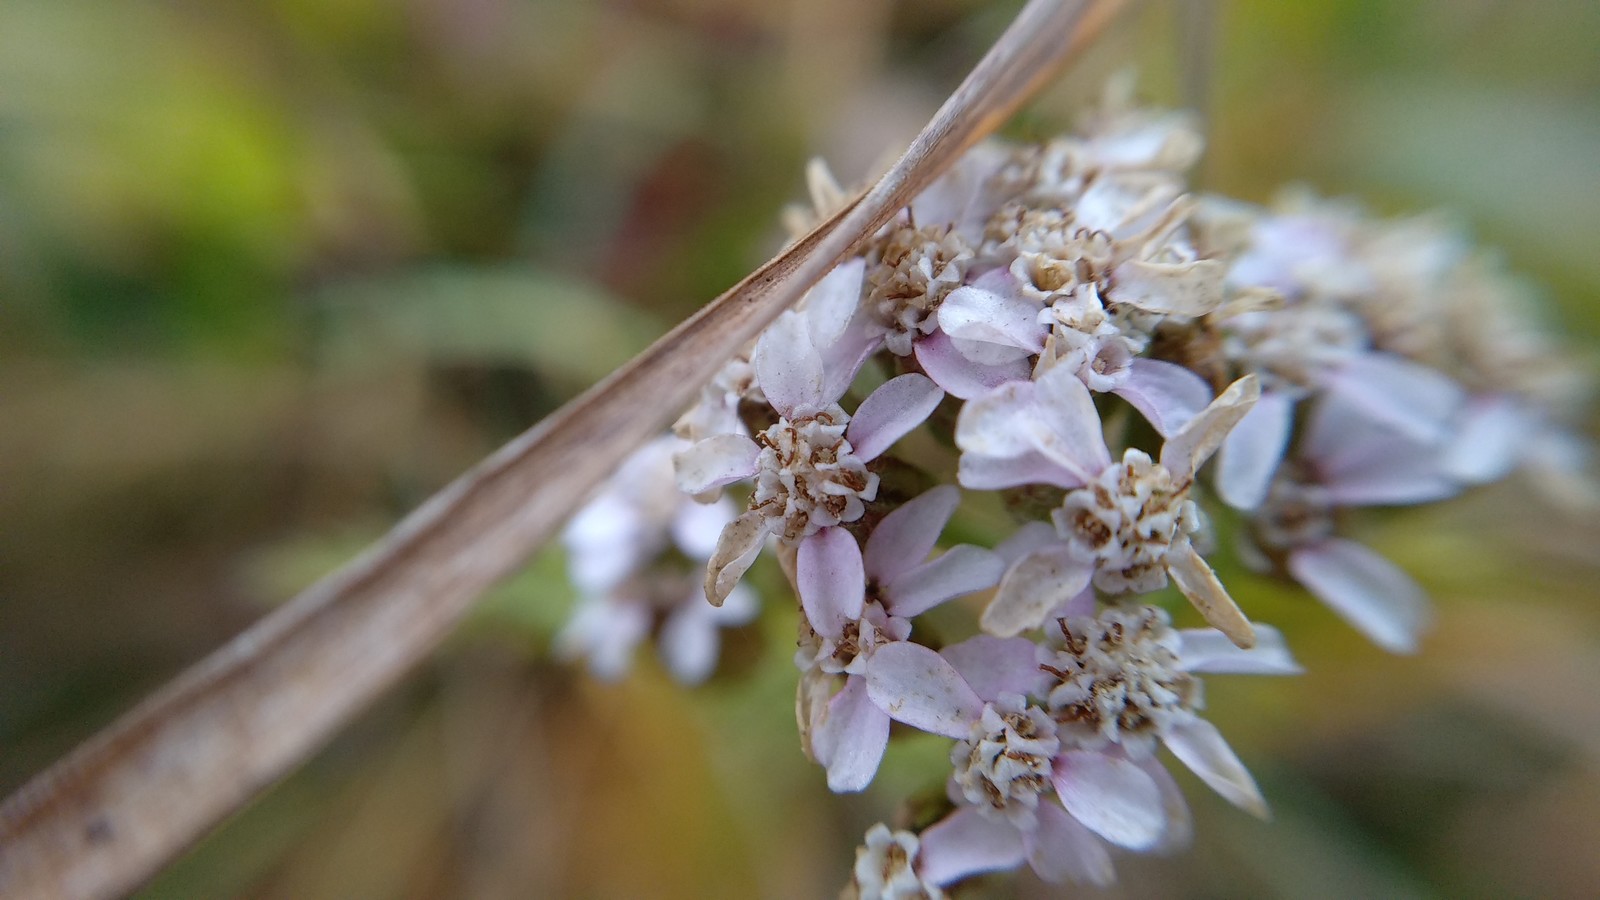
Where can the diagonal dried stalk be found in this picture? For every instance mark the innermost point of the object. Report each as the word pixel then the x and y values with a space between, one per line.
pixel 104 819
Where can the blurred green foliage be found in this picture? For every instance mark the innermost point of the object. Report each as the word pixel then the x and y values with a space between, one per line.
pixel 272 272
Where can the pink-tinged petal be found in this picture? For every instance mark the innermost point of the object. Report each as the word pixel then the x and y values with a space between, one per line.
pixel 905 537
pixel 962 377
pixel 716 461
pixel 959 571
pixel 1082 604
pixel 690 642
pixel 832 302
pixel 1071 434
pixel 1198 745
pixel 737 548
pixel 1111 797
pixel 1184 289
pixel 843 358
pixel 850 738
pixel 993 666
pixel 1489 441
pixel 1199 584
pixel 788 367
pixel 1180 823
pixel 1167 395
pixel 890 412
pixel 831 580
pixel 1366 590
pixel 1409 397
pixel 990 473
pixel 1036 585
pixel 1001 422
pixel 1251 452
pixel 1363 462
pixel 1026 539
pixel 916 686
pixel 1198 438
pixel 966 843
pixel 1062 849
pixel 974 314
pixel 1209 651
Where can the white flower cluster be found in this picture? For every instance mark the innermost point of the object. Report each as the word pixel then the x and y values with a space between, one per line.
pixel 1088 336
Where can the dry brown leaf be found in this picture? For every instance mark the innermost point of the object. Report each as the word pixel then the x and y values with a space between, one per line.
pixel 108 816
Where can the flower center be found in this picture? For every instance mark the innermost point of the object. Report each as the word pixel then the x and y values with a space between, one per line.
pixel 847 654
pixel 1004 765
pixel 1119 678
pixel 808 477
pixel 1127 520
pixel 917 268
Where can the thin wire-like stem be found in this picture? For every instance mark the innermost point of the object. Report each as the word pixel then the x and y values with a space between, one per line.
pixel 108 816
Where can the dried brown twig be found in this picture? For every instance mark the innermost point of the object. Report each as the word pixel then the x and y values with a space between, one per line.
pixel 104 819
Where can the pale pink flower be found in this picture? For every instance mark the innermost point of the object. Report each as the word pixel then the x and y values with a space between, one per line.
pixel 1021 793
pixel 1123 526
pixel 857 602
pixel 1348 459
pixel 810 466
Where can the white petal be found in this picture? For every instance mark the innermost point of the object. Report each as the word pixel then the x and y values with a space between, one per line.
pixel 1208 650
pixel 1490 440
pixel 1186 451
pixel 1185 289
pixel 1167 395
pixel 606 632
pixel 737 548
pixel 973 314
pixel 741 606
pixel 1198 745
pixel 1366 590
pixel 1112 797
pixel 696 526
pixel 1197 582
pixel 690 642
pixel 1363 462
pixel 788 367
pixel 832 302
pixel 890 412
pixel 1252 450
pixel 917 686
pixel 1180 822
pixel 1408 396
pixel 1070 432
pixel 999 423
pixel 965 843
pixel 1062 849
pixel 960 376
pixel 993 666
pixel 905 537
pixel 1026 539
pixel 989 473
pixel 1035 586
pixel 716 461
pixel 850 738
pixel 831 580
pixel 961 570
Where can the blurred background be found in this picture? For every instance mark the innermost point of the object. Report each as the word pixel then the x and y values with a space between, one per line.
pixel 272 272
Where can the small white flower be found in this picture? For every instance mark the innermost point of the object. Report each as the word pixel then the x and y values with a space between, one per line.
pixel 886 868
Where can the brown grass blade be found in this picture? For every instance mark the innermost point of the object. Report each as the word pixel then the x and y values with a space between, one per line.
pixel 104 819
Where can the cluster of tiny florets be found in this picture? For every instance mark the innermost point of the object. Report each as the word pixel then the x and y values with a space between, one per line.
pixel 1114 356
